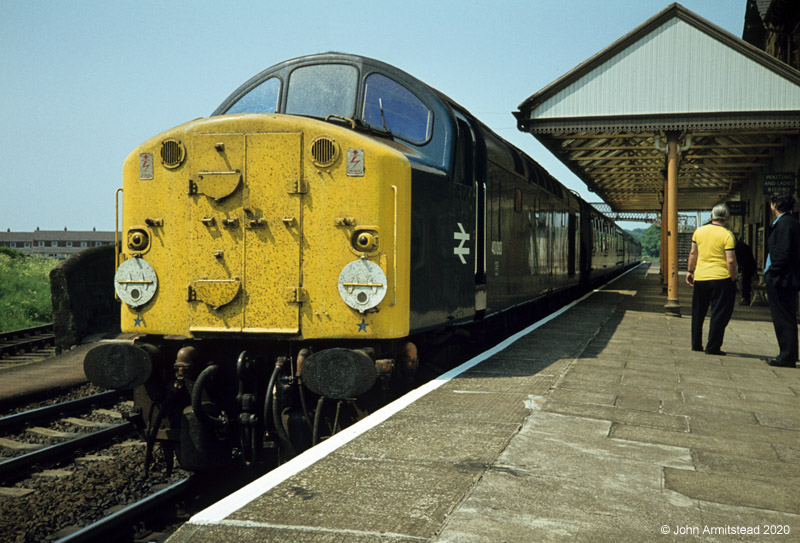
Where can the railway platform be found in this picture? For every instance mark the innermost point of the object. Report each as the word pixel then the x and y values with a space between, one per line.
pixel 599 425
pixel 37 378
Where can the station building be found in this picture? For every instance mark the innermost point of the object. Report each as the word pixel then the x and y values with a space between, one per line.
pixel 679 115
pixel 54 243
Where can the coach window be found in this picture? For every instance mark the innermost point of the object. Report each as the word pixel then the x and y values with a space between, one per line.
pixel 262 99
pixel 517 161
pixel 389 105
pixel 321 90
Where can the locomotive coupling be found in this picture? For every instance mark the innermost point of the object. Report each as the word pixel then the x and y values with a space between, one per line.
pixel 120 365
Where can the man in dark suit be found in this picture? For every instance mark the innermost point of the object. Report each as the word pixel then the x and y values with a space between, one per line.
pixel 782 274
pixel 747 269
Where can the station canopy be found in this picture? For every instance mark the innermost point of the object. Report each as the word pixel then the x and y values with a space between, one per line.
pixel 733 107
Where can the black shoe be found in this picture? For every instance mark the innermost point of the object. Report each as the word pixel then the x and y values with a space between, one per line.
pixel 697 348
pixel 717 352
pixel 780 363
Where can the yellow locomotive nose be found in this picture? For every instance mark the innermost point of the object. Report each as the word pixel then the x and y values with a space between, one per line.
pixel 250 221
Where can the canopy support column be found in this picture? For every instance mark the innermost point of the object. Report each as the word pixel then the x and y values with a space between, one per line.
pixel 673 306
pixel 663 252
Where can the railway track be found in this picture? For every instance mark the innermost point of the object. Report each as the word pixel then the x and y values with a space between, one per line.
pixel 68 407
pixel 26 446
pixel 120 522
pixel 27 343
pixel 73 471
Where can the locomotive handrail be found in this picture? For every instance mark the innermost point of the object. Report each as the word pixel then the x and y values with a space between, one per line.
pixel 117 248
pixel 347 119
pixel 394 246
pixel 226 172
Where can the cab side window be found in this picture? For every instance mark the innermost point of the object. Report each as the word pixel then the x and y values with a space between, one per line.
pixel 387 104
pixel 262 99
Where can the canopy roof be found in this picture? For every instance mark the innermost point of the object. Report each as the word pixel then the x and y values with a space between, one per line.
pixel 734 106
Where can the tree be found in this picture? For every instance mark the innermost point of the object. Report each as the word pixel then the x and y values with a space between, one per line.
pixel 637 234
pixel 651 241
pixel 650 238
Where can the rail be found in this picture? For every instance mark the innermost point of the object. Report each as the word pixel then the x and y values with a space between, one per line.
pixel 53 411
pixel 113 524
pixel 26 340
pixel 18 465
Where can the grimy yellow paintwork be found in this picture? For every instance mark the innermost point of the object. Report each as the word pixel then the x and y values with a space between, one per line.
pixel 257 249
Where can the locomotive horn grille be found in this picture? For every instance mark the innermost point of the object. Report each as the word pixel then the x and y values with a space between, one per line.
pixel 324 151
pixel 172 153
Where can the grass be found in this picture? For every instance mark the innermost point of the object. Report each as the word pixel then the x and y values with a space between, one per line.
pixel 24 290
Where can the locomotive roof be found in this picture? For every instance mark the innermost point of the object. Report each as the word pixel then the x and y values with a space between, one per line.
pixel 443 106
pixel 432 149
pixel 283 68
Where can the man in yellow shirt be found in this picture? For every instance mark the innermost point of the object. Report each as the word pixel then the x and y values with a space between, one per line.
pixel 712 275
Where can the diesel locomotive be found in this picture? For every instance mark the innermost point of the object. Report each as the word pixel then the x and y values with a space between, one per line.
pixel 285 262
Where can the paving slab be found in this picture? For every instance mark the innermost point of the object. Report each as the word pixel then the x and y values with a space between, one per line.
pixel 753 468
pixel 619 414
pixel 389 496
pixel 734 490
pixel 735 468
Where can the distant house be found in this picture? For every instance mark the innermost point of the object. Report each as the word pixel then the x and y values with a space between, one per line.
pixel 54 243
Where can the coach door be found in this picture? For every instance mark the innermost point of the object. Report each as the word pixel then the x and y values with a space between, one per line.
pixel 571 242
pixel 272 203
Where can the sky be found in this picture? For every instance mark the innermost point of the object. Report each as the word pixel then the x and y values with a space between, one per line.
pixel 83 83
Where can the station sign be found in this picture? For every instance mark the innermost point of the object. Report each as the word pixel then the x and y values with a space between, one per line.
pixel 782 182
pixel 737 208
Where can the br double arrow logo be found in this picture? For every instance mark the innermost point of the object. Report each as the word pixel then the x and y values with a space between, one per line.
pixel 463 237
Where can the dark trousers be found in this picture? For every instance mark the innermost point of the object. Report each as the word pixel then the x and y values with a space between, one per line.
pixel 747 282
pixel 783 307
pixel 720 294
